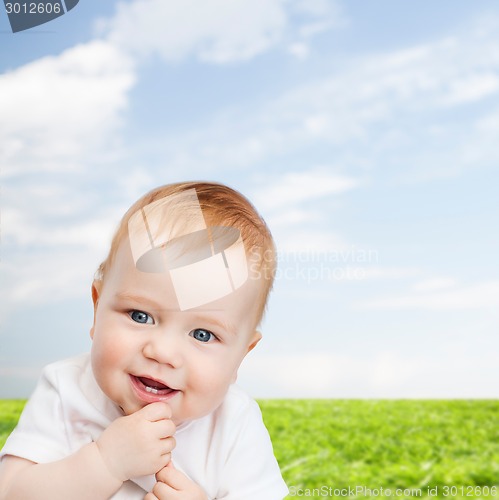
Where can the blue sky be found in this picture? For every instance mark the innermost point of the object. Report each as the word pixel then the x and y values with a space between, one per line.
pixel 365 132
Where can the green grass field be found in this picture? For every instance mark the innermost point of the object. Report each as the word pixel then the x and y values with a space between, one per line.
pixel 451 447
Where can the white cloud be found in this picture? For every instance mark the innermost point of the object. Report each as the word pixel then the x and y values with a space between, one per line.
pixel 53 239
pixel 351 105
pixel 310 241
pixel 46 278
pixel 214 31
pixel 43 263
pixel 374 111
pixel 61 115
pixel 292 217
pixel 395 273
pixel 299 49
pixel 477 296
pixel 315 28
pixel 472 88
pixel 489 123
pixel 60 108
pixel 54 215
pixel 293 188
pixel 281 198
pixel 317 8
pixel 434 284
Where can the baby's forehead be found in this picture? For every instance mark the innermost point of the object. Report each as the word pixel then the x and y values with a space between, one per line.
pixel 170 236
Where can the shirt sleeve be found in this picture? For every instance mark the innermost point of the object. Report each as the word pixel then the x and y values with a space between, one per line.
pixel 251 471
pixel 40 435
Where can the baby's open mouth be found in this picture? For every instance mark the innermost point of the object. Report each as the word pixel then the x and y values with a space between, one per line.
pixel 153 386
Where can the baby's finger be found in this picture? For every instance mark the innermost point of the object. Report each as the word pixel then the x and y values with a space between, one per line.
pixel 164 428
pixel 157 411
pixel 151 496
pixel 165 460
pixel 173 477
pixel 163 491
pixel 167 445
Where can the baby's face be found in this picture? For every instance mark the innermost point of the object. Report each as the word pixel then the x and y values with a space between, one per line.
pixel 145 349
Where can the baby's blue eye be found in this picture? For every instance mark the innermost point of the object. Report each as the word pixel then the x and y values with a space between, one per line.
pixel 141 317
pixel 202 335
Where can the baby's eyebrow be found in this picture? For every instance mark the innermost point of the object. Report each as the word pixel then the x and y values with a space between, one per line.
pixel 224 325
pixel 137 298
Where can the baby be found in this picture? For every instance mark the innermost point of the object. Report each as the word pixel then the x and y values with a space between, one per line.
pixel 152 412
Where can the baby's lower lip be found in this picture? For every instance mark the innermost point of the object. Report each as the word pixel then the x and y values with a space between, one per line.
pixel 149 394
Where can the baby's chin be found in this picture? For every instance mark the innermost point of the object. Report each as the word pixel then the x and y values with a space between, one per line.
pixel 127 409
pixel 187 414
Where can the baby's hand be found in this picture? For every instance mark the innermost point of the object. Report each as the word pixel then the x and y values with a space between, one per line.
pixel 174 485
pixel 138 444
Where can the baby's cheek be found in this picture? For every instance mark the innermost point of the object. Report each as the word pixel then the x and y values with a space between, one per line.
pixel 213 382
pixel 100 351
pixel 108 343
pixel 106 355
pixel 114 353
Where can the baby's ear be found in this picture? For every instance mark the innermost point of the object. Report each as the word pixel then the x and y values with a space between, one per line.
pixel 96 289
pixel 255 338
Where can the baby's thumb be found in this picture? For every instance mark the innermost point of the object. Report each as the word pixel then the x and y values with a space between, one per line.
pixel 170 464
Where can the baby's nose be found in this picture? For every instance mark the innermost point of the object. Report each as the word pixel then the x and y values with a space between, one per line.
pixel 165 348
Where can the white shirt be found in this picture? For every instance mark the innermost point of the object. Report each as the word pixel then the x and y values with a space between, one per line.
pixel 228 452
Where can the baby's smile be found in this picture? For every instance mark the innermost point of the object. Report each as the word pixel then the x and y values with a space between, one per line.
pixel 150 390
